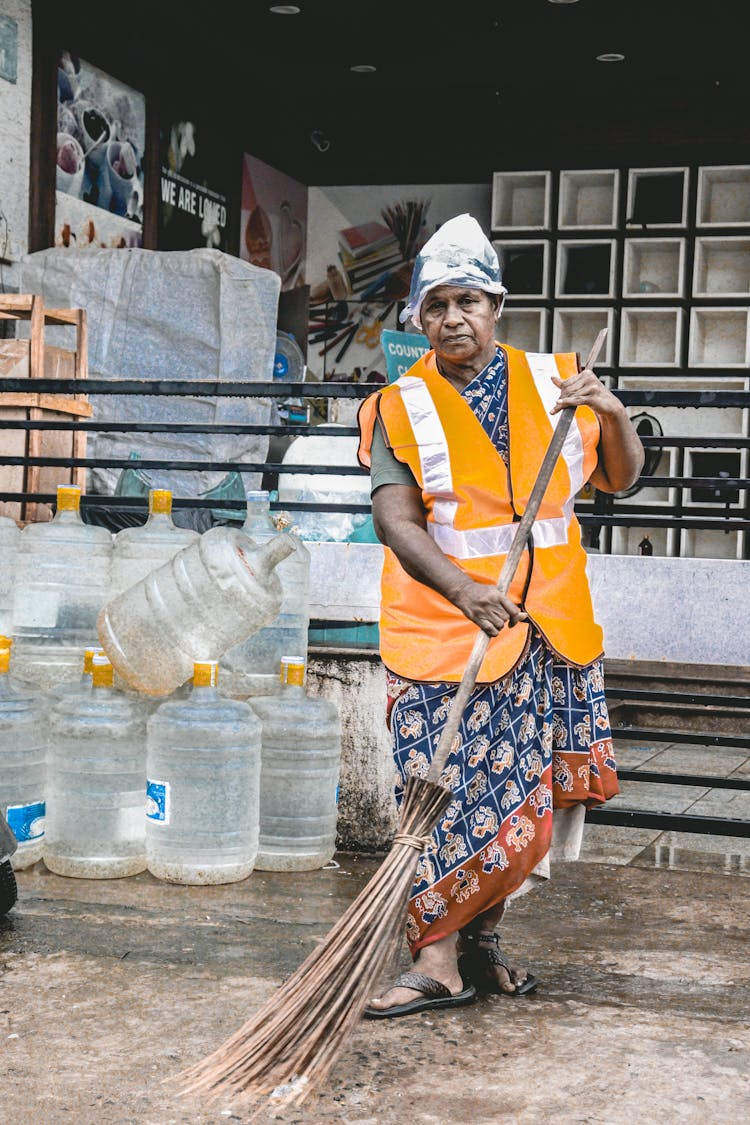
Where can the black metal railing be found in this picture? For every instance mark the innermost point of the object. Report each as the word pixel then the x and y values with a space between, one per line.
pixel 612 512
pixel 608 512
pixel 685 821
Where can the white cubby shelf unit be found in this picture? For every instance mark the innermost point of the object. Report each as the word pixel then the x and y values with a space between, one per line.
pixel 586 268
pixel 653 267
pixel 524 328
pixel 588 199
pixel 650 337
pixel 723 196
pixel 575 329
pixel 719 337
pixel 660 256
pixel 657 197
pixel 721 267
pixel 524 265
pixel 521 201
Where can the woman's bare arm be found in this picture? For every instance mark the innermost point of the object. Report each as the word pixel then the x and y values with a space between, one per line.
pixel 400 523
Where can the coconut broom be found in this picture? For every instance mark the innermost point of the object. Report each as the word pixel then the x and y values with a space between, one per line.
pixel 284 1051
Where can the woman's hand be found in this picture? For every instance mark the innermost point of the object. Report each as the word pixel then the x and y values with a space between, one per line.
pixel 621 454
pixel 400 523
pixel 486 606
pixel 586 389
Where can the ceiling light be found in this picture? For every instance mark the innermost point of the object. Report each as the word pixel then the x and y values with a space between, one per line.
pixel 363 68
pixel 285 9
pixel 563 1
pixel 610 56
pixel 320 140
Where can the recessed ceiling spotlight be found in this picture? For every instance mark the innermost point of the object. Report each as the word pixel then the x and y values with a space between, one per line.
pixel 285 9
pixel 610 56
pixel 363 68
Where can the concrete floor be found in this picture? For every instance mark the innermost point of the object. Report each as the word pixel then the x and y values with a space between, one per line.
pixel 109 988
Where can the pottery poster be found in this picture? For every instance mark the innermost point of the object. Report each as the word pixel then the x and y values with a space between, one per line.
pixel 273 229
pixel 193 189
pixel 101 137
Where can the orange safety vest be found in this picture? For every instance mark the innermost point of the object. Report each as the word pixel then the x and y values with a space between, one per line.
pixel 472 504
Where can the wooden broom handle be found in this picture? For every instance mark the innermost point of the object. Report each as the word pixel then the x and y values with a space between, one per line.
pixel 512 559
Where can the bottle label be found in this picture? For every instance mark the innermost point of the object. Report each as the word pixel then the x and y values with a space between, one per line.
pixel 26 821
pixel 35 608
pixel 157 801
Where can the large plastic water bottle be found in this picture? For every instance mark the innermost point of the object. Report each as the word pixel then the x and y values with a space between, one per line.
pixel 300 763
pixel 96 775
pixel 202 791
pixel 22 764
pixel 136 551
pixel 209 597
pixel 62 581
pixel 252 668
pixel 10 534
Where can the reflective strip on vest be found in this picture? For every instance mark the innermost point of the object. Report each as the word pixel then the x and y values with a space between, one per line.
pixel 543 367
pixel 432 446
pixel 480 542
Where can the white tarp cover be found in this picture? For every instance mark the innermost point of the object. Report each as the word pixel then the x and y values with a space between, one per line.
pixel 195 314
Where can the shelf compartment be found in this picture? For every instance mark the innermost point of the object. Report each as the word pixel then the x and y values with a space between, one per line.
pixel 714 463
pixel 722 267
pixel 521 200
pixel 719 337
pixel 585 268
pixel 524 266
pixel 574 330
pixel 650 337
pixel 723 196
pixel 588 199
pixel 524 328
pixel 653 266
pixel 707 544
pixel 625 540
pixel 657 197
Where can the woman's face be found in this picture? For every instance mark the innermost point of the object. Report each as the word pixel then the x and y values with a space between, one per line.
pixel 459 323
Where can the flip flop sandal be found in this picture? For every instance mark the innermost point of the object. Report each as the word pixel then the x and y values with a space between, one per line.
pixel 477 962
pixel 434 995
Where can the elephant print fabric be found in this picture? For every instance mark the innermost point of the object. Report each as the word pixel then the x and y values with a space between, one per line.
pixel 537 739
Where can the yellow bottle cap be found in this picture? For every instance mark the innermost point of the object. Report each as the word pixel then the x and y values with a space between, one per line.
pixel 88 659
pixel 205 673
pixel 4 660
pixel 292 670
pixel 68 497
pixel 160 500
pixel 102 672
pixel 5 642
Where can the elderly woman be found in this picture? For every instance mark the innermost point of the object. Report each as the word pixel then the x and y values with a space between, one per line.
pixel 454 447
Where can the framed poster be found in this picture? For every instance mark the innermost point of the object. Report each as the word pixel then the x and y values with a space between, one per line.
pixel 273 221
pixel 193 188
pixel 100 142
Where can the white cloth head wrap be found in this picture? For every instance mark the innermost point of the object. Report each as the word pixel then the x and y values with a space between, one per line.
pixel 459 253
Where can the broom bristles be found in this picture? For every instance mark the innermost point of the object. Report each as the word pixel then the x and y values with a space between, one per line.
pixel 286 1049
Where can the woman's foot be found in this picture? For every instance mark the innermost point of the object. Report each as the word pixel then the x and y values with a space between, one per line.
pixel 438 962
pixel 483 963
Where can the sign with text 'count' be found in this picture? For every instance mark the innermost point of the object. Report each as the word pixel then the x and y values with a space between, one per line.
pixel 401 351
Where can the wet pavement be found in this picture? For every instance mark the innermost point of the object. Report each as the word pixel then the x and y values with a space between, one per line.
pixel 110 988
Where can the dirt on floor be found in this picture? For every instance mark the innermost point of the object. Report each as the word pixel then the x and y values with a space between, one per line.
pixel 110 988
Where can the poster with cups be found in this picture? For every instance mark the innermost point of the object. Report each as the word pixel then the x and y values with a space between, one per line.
pixel 273 228
pixel 101 137
pixel 193 188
